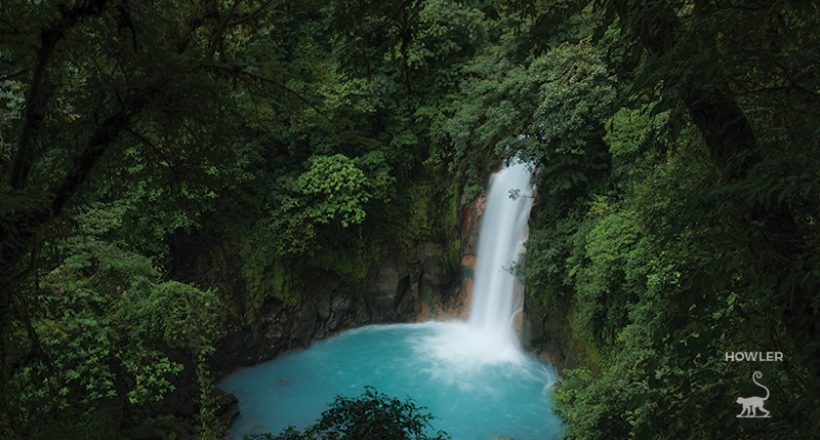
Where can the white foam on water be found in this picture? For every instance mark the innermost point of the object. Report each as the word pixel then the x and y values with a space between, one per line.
pixel 488 337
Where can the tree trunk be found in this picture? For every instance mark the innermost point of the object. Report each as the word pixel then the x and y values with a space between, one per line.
pixel 735 150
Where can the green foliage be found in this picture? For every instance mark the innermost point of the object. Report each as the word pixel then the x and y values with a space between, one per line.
pixel 352 264
pixel 447 36
pixel 608 277
pixel 655 260
pixel 210 428
pixel 167 165
pixel 372 415
pixel 103 320
pixel 576 93
pixel 180 315
pixel 334 188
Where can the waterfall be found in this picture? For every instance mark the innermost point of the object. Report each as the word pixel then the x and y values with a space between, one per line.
pixel 473 375
pixel 497 294
pixel 488 337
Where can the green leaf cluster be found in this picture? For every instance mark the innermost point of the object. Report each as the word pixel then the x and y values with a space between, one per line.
pixel 371 415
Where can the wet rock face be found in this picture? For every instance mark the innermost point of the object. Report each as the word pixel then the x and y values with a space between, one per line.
pixel 227 408
pixel 407 285
pixel 547 333
pixel 181 406
pixel 387 288
pixel 470 226
pixel 397 290
pixel 239 348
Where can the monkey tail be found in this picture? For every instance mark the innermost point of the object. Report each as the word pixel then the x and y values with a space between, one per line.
pixel 758 375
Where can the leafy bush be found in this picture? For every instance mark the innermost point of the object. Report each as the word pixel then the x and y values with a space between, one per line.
pixel 371 416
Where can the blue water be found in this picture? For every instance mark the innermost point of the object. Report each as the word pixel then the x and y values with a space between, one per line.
pixel 472 397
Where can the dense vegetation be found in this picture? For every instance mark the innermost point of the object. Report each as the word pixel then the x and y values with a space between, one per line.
pixel 372 415
pixel 170 167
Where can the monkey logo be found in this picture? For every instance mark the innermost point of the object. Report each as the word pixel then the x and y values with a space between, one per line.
pixel 752 404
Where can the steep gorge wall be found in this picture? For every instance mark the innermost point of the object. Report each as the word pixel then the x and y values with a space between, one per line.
pixel 419 267
pixel 400 288
pixel 424 271
pixel 546 330
pixel 403 266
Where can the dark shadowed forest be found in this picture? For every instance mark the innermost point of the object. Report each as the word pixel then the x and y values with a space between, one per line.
pixel 178 180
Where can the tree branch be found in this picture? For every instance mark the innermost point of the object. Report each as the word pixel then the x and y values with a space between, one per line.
pixel 38 91
pixel 99 142
pixel 238 72
pixel 15 74
pixel 217 34
pixel 174 174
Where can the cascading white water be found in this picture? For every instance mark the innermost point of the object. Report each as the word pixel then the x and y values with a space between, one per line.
pixel 496 290
pixel 472 375
pixel 489 337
